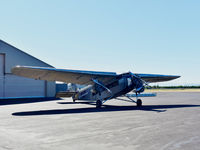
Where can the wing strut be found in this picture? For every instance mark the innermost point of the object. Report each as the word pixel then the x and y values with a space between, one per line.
pixel 100 102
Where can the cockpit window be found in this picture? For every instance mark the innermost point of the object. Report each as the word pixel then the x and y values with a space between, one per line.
pixel 129 81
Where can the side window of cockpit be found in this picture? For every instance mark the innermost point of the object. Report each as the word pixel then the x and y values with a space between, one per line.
pixel 129 81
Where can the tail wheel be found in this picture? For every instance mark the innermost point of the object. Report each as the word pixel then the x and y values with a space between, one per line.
pixel 139 102
pixel 98 104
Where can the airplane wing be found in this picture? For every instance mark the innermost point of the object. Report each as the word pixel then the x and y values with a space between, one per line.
pixel 64 75
pixel 79 76
pixel 150 78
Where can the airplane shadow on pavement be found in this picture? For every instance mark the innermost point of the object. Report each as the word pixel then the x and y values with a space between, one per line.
pixel 15 101
pixel 105 108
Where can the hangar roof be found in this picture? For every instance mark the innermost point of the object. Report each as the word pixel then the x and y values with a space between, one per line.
pixel 14 48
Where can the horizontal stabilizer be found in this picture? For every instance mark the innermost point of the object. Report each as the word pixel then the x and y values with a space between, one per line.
pixel 142 95
pixel 65 94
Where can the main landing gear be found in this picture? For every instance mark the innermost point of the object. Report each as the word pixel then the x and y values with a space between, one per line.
pixel 98 104
pixel 139 103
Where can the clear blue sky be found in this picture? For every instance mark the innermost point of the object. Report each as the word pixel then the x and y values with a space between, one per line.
pixel 158 36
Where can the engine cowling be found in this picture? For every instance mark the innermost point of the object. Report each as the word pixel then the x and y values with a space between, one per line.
pixel 138 84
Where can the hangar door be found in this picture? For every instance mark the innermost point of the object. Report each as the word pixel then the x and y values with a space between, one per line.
pixel 1 74
pixel 12 86
pixel 16 86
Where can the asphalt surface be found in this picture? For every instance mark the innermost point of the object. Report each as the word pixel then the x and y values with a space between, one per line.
pixel 170 121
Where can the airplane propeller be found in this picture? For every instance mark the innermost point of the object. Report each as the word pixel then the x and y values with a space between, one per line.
pixel 140 83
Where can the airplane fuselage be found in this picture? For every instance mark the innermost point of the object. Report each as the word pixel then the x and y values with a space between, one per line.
pixel 117 87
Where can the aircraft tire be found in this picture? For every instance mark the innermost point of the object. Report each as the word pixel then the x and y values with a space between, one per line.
pixel 98 104
pixel 139 103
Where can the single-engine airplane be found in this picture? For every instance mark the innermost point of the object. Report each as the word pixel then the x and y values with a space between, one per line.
pixel 99 86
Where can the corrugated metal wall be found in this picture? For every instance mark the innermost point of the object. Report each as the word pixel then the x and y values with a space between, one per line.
pixel 12 86
pixel 15 86
pixel 1 74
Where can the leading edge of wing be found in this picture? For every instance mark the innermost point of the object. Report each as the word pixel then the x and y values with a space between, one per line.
pixel 67 70
pixel 157 77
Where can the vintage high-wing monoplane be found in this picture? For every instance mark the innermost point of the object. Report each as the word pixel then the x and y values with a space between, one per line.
pixel 99 86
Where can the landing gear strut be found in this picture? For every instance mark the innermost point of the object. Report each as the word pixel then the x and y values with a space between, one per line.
pixel 98 104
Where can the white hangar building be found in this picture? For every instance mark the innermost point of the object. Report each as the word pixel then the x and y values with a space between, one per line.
pixel 12 86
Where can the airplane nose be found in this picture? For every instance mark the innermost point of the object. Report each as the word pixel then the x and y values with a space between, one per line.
pixel 138 83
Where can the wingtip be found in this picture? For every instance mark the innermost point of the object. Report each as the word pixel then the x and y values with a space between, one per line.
pixel 18 66
pixel 177 76
pixel 15 69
